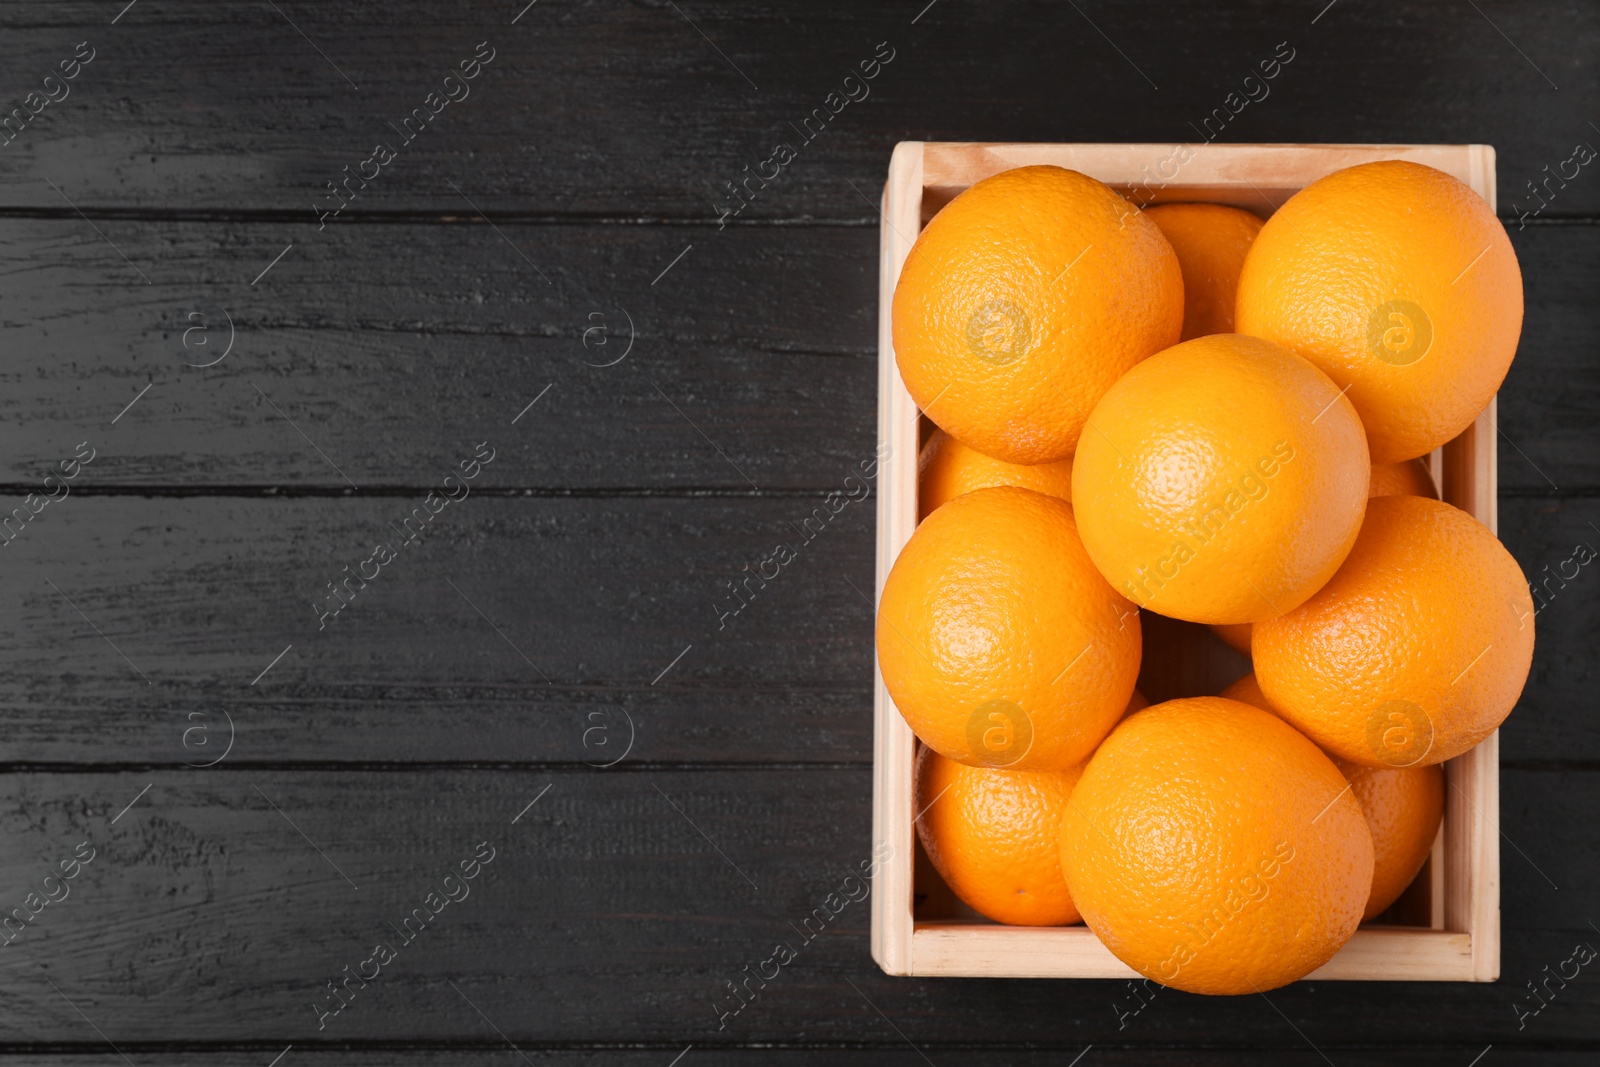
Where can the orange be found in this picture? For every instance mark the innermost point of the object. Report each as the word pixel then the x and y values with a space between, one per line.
pixel 998 640
pixel 1399 282
pixel 1415 651
pixel 1214 849
pixel 1235 635
pixel 947 468
pixel 1223 482
pixel 1248 691
pixel 994 837
pixel 1022 301
pixel 1402 805
pixel 1409 477
pixel 1211 241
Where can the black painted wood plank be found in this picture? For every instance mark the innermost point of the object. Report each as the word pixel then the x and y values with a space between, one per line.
pixel 1551 540
pixel 622 604
pixel 198 138
pixel 753 360
pixel 635 110
pixel 1215 1054
pixel 1549 398
pixel 752 363
pixel 619 905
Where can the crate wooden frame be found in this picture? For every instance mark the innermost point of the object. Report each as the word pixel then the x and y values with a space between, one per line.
pixel 1460 887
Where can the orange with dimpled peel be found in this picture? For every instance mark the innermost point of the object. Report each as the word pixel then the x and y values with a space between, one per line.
pixel 1214 849
pixel 994 837
pixel 1409 477
pixel 1211 241
pixel 1415 651
pixel 999 642
pixel 1403 806
pixel 1022 301
pixel 1400 283
pixel 947 468
pixel 1223 481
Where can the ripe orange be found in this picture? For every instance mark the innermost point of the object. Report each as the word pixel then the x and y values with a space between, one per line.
pixel 1211 241
pixel 1399 282
pixel 1415 651
pixel 1224 481
pixel 1023 300
pixel 947 468
pixel 1247 690
pixel 1409 477
pixel 1235 635
pixel 994 837
pixel 1214 849
pixel 1402 805
pixel 998 640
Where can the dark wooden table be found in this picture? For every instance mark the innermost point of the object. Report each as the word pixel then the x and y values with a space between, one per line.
pixel 535 270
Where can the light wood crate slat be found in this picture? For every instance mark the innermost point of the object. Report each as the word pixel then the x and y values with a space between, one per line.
pixel 1461 886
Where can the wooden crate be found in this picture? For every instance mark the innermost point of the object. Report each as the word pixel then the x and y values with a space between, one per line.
pixel 918 927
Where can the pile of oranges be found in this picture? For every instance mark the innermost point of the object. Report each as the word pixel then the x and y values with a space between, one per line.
pixel 1186 411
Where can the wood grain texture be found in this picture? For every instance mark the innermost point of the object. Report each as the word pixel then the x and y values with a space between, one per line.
pixel 893 747
pixel 601 597
pixel 393 347
pixel 390 346
pixel 1545 390
pixel 217 107
pixel 618 905
pixel 600 594
pixel 599 141
pixel 901 1054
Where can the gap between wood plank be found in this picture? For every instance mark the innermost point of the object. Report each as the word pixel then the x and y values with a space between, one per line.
pixel 388 766
pixel 278 216
pixel 153 1048
pixel 631 766
pixel 406 491
pixel 609 492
